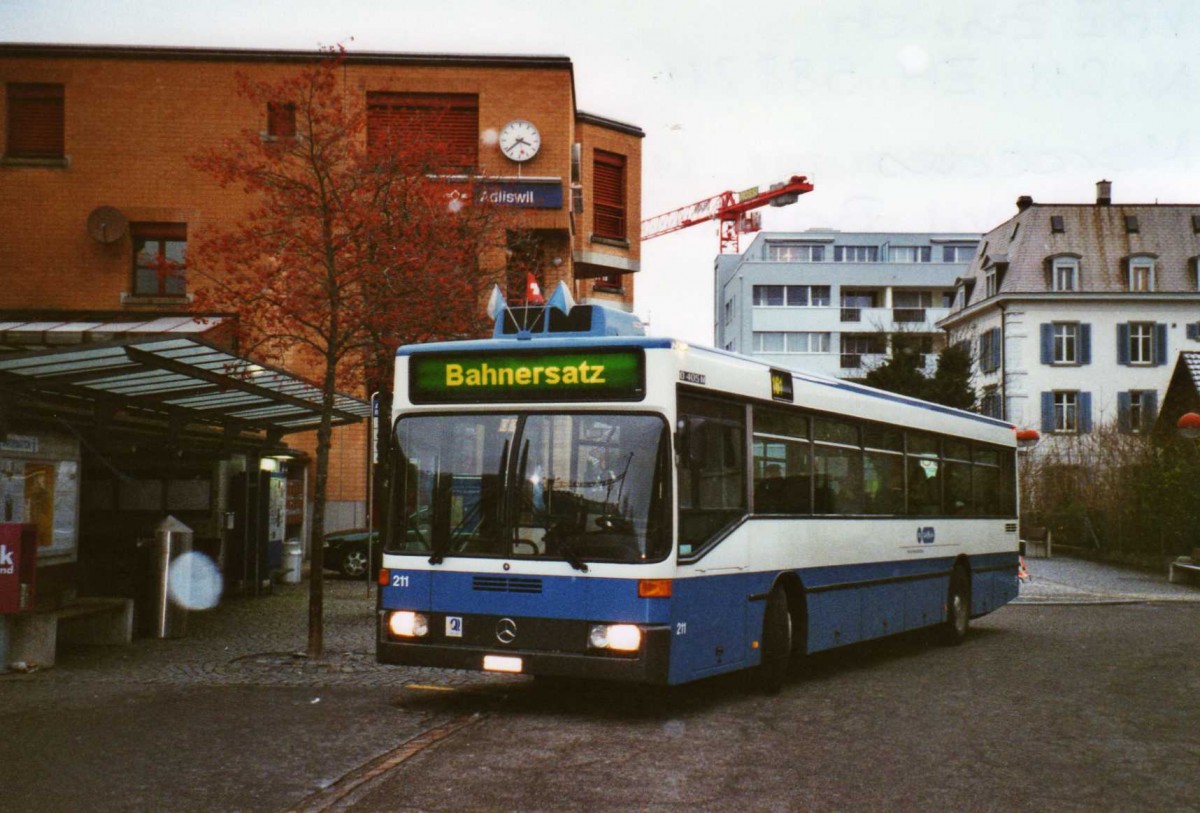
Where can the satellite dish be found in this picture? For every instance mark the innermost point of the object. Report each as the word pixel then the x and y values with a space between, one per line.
pixel 106 224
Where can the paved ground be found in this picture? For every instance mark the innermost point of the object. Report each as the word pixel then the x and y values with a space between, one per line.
pixel 1077 581
pixel 260 642
pixel 230 718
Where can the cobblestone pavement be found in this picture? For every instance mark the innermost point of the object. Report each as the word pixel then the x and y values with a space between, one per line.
pixel 253 642
pixel 1077 581
pixel 261 641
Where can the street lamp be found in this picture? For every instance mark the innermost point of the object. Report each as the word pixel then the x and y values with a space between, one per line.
pixel 1028 438
pixel 1189 425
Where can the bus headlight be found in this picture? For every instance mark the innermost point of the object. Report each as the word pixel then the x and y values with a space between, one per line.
pixel 407 624
pixel 618 637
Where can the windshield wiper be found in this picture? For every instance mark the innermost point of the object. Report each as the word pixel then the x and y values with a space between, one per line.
pixel 571 556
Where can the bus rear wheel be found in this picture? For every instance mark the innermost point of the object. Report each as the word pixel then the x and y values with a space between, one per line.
pixel 776 643
pixel 958 609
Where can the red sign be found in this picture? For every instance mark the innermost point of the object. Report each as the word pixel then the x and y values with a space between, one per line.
pixel 18 563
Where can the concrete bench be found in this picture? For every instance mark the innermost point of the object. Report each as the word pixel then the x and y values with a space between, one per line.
pixel 1038 541
pixel 35 636
pixel 1183 570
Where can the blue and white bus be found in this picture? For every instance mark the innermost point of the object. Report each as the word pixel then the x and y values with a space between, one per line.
pixel 574 498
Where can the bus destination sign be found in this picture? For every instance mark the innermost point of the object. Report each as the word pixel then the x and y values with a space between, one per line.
pixel 551 375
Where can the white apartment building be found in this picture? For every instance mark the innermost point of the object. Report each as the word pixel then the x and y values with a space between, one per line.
pixel 1076 312
pixel 835 302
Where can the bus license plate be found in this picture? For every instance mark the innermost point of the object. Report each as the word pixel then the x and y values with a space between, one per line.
pixel 501 663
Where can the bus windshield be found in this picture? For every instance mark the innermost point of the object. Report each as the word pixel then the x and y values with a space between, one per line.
pixel 564 486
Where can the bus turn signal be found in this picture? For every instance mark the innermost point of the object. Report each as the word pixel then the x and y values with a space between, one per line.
pixel 654 588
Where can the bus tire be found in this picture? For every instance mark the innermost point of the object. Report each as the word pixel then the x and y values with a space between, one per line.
pixel 958 609
pixel 776 643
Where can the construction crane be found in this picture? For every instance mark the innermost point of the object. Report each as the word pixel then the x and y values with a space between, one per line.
pixel 734 212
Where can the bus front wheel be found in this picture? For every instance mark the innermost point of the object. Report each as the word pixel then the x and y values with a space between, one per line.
pixel 958 609
pixel 776 643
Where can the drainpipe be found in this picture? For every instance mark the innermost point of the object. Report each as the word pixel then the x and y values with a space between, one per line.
pixel 1003 363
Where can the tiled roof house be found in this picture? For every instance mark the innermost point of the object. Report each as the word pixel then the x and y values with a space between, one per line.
pixel 1076 312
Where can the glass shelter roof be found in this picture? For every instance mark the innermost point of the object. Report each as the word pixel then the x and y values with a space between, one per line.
pixel 177 376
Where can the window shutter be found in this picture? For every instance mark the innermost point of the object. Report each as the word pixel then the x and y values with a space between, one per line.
pixel 608 193
pixel 36 120
pixel 1149 409
pixel 1085 344
pixel 446 125
pixel 1160 344
pixel 1124 401
pixel 1047 343
pixel 1047 412
pixel 996 348
pixel 1085 412
pixel 1123 344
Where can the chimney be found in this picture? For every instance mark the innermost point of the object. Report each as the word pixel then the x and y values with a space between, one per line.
pixel 1024 202
pixel 1103 193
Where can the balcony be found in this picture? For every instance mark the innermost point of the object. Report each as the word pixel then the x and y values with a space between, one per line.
pixel 851 314
pixel 908 315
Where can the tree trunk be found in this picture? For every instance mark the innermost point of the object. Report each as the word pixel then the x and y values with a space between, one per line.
pixel 316 582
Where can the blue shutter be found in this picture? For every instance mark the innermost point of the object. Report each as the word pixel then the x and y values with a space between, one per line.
pixel 1085 344
pixel 1047 412
pixel 1149 409
pixel 996 348
pixel 1123 344
pixel 1124 401
pixel 1085 412
pixel 1160 344
pixel 1047 343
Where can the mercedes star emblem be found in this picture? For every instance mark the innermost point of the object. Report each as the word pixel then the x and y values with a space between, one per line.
pixel 506 630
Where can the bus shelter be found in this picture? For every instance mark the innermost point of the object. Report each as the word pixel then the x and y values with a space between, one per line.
pixel 106 429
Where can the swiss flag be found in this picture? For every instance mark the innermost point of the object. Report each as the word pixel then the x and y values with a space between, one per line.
pixel 533 291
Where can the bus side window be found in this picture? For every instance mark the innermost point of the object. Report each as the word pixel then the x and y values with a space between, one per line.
pixel 712 468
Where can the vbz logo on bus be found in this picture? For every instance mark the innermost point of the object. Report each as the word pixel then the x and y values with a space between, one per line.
pixel 926 535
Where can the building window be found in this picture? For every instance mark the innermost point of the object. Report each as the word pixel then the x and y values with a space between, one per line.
pixel 608 189
pixel 159 259
pixel 1065 274
pixel 990 346
pixel 281 119
pixel 793 296
pixel 856 254
pixel 990 403
pixel 791 342
pixel 958 254
pixel 443 126
pixel 728 311
pixel 1141 274
pixel 1066 343
pixel 1141 343
pixel 1137 411
pixel 990 283
pixel 770 296
pixel 910 254
pixel 1131 224
pixel 1066 340
pixel 610 283
pixel 1056 224
pixel 1066 412
pixel 36 121
pixel 796 252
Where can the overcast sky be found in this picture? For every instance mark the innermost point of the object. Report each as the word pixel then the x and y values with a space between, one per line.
pixel 926 115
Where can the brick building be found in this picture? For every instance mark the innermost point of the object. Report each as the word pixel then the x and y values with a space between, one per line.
pixel 95 186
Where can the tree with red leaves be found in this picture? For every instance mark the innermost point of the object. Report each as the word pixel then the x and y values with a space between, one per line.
pixel 349 249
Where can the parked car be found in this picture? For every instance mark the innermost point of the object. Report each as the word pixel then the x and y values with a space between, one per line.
pixel 346 552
